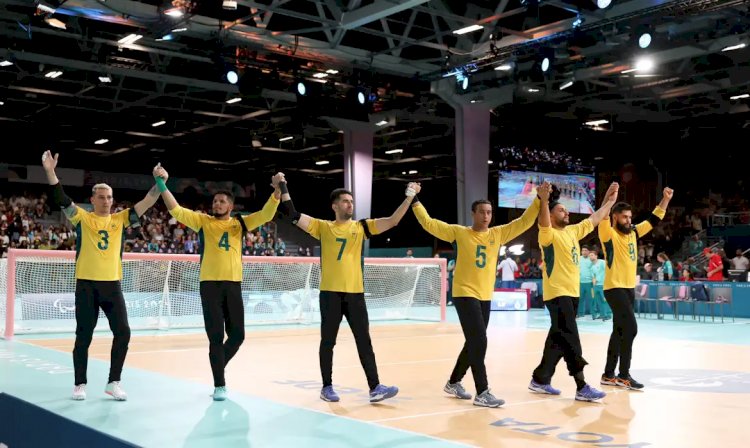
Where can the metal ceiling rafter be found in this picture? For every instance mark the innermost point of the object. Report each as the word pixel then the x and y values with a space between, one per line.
pixel 322 15
pixel 339 36
pixel 407 31
pixel 379 9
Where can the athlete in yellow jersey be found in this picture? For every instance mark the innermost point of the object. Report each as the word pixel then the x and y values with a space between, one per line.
pixel 560 246
pixel 99 236
pixel 341 281
pixel 473 283
pixel 620 244
pixel 220 241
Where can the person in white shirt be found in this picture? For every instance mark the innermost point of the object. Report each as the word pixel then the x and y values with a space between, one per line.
pixel 740 262
pixel 507 269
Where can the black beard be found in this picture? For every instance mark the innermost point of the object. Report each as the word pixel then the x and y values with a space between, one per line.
pixel 623 228
pixel 218 215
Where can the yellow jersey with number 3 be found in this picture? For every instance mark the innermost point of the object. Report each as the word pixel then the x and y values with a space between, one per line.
pixel 341 253
pixel 99 243
pixel 220 240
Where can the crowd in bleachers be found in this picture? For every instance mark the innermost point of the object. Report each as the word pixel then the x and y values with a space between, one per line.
pixel 28 222
pixel 535 159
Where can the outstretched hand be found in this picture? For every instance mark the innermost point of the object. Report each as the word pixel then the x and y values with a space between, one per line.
pixel 544 190
pixel 159 171
pixel 612 192
pixel 277 179
pixel 48 161
pixel 413 188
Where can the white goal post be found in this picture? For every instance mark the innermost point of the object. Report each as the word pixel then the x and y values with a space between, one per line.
pixel 37 290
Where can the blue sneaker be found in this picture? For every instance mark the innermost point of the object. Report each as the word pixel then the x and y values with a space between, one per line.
pixel 328 394
pixel 588 393
pixel 220 393
pixel 543 388
pixel 381 393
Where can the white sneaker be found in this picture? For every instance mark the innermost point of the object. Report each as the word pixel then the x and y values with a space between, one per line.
pixel 79 392
pixel 116 391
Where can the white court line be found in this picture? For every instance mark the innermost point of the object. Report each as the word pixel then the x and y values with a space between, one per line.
pixel 169 350
pixel 330 414
pixel 479 408
pixel 427 361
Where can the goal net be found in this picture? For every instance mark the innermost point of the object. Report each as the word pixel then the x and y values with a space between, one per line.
pixel 37 290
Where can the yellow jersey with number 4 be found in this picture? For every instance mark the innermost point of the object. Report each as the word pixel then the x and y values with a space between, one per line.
pixel 221 239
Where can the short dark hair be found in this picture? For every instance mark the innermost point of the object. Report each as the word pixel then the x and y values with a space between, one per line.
pixel 226 193
pixel 336 194
pixel 479 202
pixel 621 207
pixel 554 197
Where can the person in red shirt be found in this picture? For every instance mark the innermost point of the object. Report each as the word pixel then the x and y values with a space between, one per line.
pixel 715 266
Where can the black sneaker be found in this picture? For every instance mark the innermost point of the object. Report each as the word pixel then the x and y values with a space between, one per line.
pixel 628 382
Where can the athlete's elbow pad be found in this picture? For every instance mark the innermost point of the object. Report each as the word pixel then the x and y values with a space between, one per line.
pixel 59 196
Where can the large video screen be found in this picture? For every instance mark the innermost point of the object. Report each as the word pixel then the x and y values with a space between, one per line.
pixel 516 189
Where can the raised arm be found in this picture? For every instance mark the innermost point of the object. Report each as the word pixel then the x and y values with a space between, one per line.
pixel 544 217
pixel 268 211
pixel 656 216
pixel 609 200
pixel 161 176
pixel 151 197
pixel 383 224
pixel 190 218
pixel 664 203
pixel 49 162
pixel 434 227
pixel 287 207
pixel 521 224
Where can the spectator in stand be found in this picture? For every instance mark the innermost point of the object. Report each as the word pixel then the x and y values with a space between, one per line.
pixel 715 266
pixel 647 273
pixel 666 268
pixel 725 263
pixel 696 245
pixel 507 269
pixel 740 261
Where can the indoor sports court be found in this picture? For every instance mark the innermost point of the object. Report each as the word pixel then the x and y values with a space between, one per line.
pixel 692 369
pixel 216 194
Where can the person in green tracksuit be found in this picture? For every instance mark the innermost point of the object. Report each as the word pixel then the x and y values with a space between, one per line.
pixel 586 286
pixel 599 307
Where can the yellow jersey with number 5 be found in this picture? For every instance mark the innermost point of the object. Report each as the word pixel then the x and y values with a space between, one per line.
pixel 99 243
pixel 476 262
pixel 220 240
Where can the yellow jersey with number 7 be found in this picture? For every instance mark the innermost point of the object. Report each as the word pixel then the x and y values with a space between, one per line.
pixel 341 253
